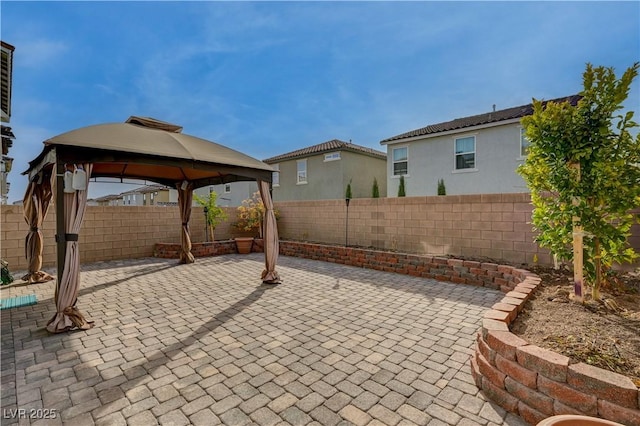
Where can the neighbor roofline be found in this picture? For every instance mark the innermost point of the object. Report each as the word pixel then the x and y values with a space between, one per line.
pixel 348 147
pixel 453 132
pixel 318 153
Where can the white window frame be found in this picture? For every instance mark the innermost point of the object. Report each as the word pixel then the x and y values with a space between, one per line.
pixel 227 188
pixel 332 156
pixel 302 176
pixel 523 138
pixel 275 176
pixel 393 161
pixel 455 155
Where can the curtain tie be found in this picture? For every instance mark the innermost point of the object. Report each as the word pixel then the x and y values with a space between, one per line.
pixel 185 223
pixel 67 237
pixel 34 229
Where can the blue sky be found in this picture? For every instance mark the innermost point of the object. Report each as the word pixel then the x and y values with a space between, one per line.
pixel 268 78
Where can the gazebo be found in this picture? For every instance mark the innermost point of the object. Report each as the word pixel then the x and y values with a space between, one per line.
pixel 140 148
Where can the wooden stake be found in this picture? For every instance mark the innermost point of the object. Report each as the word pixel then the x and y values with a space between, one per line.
pixel 578 279
pixel 578 249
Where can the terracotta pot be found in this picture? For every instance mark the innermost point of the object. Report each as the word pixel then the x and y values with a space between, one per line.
pixel 244 244
pixel 573 420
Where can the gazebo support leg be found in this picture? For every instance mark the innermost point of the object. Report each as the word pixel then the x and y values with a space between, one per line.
pixel 60 225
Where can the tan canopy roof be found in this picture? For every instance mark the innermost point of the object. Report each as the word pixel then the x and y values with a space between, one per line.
pixel 146 148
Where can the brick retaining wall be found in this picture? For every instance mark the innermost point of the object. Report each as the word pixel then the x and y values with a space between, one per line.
pixel 216 248
pixel 459 271
pixel 537 383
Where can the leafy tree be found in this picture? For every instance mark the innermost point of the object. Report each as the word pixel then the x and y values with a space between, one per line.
pixel 215 214
pixel 401 190
pixel 347 193
pixel 441 188
pixel 375 191
pixel 583 169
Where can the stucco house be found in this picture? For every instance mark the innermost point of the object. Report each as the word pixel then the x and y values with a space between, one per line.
pixel 229 194
pixel 323 171
pixel 6 84
pixel 472 155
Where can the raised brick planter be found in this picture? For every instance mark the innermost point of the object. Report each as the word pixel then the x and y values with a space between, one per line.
pixel 216 248
pixel 491 275
pixel 527 380
pixel 537 383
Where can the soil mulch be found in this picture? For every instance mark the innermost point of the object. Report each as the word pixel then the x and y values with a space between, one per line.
pixel 603 333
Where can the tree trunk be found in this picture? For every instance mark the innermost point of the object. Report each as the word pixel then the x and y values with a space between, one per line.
pixel 211 229
pixel 595 291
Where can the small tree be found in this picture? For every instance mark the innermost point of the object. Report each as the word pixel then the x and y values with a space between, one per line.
pixel 347 193
pixel 375 191
pixel 441 188
pixel 583 169
pixel 214 213
pixel 401 191
pixel 251 214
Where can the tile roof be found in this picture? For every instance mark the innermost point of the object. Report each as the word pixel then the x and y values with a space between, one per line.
pixel 477 120
pixel 147 188
pixel 332 145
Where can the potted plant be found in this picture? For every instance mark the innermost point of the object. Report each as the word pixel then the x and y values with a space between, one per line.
pixel 250 215
pixel 214 214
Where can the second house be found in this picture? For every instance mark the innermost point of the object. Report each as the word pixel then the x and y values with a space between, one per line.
pixel 323 171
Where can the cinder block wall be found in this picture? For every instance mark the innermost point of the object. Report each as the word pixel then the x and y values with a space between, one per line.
pixel 108 233
pixel 489 225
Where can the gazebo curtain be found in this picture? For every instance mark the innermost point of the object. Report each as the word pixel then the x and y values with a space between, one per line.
pixel 68 316
pixel 185 198
pixel 36 203
pixel 271 245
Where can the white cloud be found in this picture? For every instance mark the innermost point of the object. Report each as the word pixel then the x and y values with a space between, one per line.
pixel 36 53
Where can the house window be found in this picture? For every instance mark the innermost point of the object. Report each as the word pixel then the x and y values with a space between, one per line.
pixel 332 156
pixel 465 153
pixel 227 188
pixel 302 171
pixel 144 199
pixel 524 143
pixel 400 161
pixel 275 176
pixel 151 198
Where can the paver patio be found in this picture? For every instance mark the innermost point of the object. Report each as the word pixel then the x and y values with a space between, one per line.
pixel 207 343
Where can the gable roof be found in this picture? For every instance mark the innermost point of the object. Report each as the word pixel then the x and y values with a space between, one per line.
pixel 478 120
pixel 332 145
pixel 147 188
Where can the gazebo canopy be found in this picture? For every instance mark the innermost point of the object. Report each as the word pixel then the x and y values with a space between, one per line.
pixel 150 149
pixel 140 148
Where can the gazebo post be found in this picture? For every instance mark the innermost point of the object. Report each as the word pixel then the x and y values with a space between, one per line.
pixel 61 248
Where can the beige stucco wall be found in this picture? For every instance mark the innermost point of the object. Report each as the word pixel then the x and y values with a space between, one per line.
pixel 327 180
pixel 430 159
pixel 361 170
